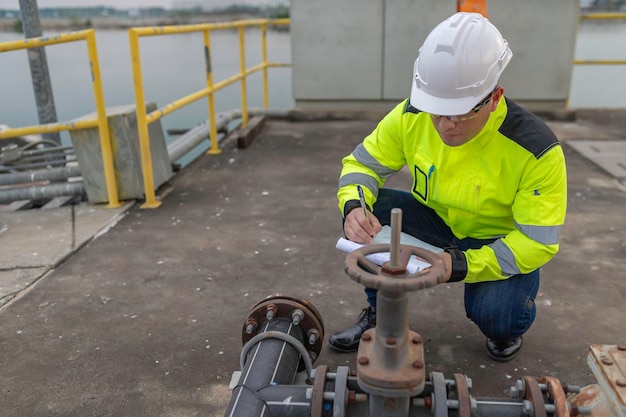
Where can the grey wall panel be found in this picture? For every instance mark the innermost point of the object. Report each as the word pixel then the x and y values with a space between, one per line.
pixel 336 49
pixel 407 23
pixel 542 35
pixel 363 50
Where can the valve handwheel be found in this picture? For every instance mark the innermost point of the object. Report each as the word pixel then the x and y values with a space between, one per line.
pixel 366 272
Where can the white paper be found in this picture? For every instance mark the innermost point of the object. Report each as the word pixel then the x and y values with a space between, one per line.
pixel 384 236
pixel 415 265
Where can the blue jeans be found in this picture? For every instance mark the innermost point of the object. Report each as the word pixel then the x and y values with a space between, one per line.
pixel 502 309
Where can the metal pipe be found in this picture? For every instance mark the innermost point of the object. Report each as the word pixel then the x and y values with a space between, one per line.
pixel 192 138
pixel 56 149
pixel 269 362
pixel 195 136
pixel 503 408
pixel 23 167
pixel 30 163
pixel 214 149
pixel 53 174
pixel 396 229
pixel 42 192
pixel 28 157
pixel 390 380
pixel 142 123
pixel 45 157
pixel 41 157
pixel 287 400
pixel 242 67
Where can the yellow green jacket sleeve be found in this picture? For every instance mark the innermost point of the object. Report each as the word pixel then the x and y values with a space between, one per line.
pixel 507 184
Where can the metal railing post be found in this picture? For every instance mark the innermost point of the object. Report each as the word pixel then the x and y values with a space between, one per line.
pixel 103 123
pixel 142 124
pixel 143 119
pixel 40 75
pixel 242 73
pixel 100 121
pixel 214 149
pixel 264 61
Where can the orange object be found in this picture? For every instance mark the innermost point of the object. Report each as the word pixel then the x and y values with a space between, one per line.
pixel 474 6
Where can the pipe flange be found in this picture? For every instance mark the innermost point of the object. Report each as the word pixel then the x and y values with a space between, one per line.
pixel 317 393
pixel 284 306
pixel 439 396
pixel 463 396
pixel 533 394
pixel 557 395
pixel 341 391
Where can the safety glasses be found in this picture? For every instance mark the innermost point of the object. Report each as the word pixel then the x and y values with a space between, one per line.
pixel 472 114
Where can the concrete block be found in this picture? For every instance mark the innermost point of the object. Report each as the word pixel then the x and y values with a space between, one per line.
pixel 126 155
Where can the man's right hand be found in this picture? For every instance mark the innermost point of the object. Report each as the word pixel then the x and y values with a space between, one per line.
pixel 361 229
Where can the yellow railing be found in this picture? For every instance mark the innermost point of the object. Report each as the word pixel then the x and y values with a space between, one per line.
pixel 601 16
pixel 143 119
pixel 100 121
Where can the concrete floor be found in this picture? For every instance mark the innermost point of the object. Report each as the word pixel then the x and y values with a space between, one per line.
pixel 146 319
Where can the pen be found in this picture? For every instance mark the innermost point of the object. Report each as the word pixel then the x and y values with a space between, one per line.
pixel 362 199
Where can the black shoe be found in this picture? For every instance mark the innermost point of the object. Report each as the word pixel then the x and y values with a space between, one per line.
pixel 348 339
pixel 503 351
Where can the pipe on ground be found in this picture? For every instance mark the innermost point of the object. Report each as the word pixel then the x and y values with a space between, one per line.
pixel 270 362
pixel 52 174
pixel 195 136
pixel 42 192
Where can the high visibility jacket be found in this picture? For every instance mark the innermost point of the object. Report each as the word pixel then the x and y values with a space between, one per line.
pixel 508 183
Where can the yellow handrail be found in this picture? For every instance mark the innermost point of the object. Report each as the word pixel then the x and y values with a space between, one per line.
pixel 242 70
pixel 101 118
pixel 143 119
pixel 600 62
pixel 602 16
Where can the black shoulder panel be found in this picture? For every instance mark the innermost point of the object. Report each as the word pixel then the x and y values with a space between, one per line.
pixel 410 109
pixel 527 130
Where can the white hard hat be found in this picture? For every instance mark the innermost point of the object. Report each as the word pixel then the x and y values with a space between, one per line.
pixel 459 64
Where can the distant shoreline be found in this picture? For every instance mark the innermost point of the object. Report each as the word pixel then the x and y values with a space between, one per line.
pixel 117 23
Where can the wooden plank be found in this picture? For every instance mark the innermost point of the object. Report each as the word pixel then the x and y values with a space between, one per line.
pixel 246 135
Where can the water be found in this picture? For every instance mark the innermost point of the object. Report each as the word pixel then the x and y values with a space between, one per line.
pixel 173 66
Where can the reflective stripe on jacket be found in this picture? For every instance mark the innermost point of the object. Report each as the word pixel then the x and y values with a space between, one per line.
pixel 508 183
